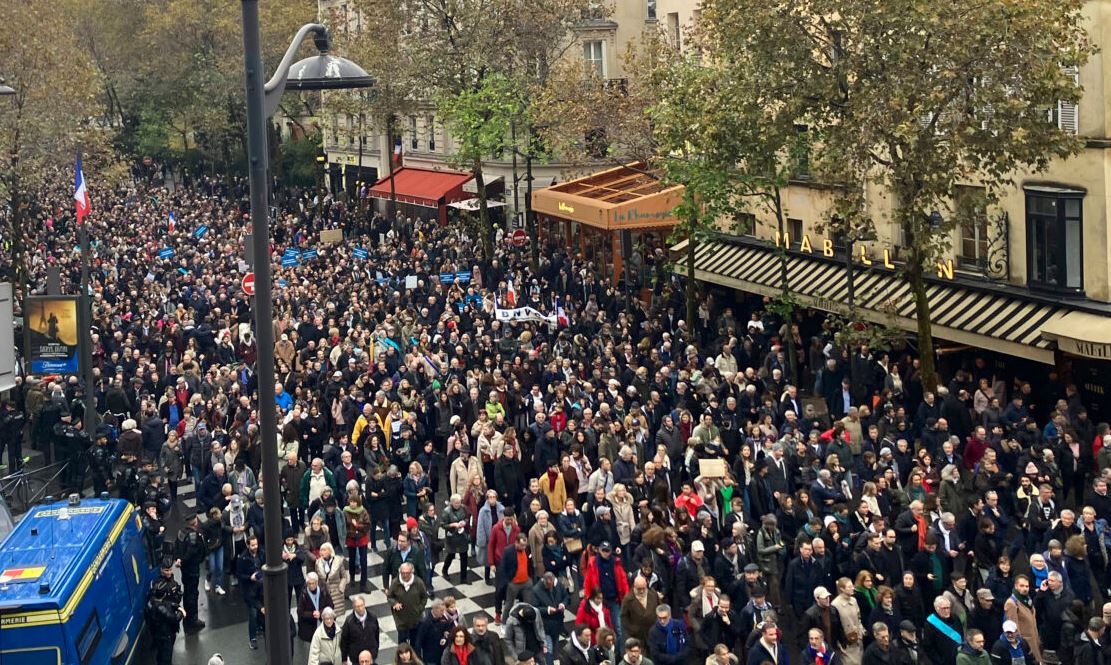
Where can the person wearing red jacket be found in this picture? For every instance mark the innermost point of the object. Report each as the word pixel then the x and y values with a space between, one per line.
pixel 605 573
pixel 502 536
pixel 594 612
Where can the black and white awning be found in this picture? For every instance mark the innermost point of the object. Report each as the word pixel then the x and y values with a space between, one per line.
pixel 998 318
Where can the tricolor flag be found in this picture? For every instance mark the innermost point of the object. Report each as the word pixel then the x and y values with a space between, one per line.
pixel 23 574
pixel 397 150
pixel 80 194
pixel 172 224
pixel 510 294
pixel 561 316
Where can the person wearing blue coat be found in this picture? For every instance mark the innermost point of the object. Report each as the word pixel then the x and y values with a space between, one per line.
pixel 768 648
pixel 489 514
pixel 667 640
pixel 432 633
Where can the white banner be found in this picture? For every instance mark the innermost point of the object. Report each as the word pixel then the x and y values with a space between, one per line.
pixel 523 314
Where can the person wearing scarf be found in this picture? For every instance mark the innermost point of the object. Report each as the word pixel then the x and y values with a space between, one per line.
pixel 577 649
pixel 817 651
pixel 865 594
pixel 462 650
pixel 313 601
pixel 1019 609
pixel 1012 648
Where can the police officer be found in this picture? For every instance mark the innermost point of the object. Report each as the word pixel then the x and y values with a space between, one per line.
pixel 164 613
pixel 70 443
pixel 101 460
pixel 154 530
pixel 127 479
pixel 191 551
pixel 12 421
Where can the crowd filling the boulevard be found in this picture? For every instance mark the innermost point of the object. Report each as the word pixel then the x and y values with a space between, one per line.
pixel 636 487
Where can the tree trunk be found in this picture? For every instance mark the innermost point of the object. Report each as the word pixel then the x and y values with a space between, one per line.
pixel 925 327
pixel 486 228
pixel 391 206
pixel 530 216
pixel 784 277
pixel 692 284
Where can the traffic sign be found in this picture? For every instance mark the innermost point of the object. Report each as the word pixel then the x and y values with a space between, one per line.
pixel 249 284
pixel 519 238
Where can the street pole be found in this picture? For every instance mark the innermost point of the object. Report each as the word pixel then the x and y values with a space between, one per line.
pixel 851 296
pixel 275 591
pixel 85 319
pixel 513 141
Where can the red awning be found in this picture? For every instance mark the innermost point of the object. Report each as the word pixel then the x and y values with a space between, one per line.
pixel 423 187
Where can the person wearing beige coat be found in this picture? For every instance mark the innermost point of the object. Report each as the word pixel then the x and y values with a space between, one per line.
pixel 536 536
pixel 325 645
pixel 1020 609
pixel 331 568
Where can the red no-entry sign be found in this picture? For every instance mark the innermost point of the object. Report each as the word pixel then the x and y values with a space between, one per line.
pixel 249 284
pixel 519 238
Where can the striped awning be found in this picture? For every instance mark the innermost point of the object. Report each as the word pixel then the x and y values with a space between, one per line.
pixel 985 317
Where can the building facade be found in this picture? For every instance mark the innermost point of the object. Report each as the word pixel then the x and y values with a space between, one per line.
pixel 358 153
pixel 1029 279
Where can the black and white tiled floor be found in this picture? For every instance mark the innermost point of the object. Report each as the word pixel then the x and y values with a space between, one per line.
pixel 474 597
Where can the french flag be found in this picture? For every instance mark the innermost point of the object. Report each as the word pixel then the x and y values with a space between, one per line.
pixel 172 224
pixel 510 294
pixel 80 194
pixel 561 315
pixel 397 151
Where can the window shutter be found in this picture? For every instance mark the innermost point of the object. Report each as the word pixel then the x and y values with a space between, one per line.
pixel 1068 115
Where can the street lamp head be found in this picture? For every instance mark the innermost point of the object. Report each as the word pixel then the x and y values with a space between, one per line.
pixel 6 90
pixel 326 71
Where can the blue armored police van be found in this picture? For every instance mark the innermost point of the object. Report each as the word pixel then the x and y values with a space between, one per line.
pixel 74 578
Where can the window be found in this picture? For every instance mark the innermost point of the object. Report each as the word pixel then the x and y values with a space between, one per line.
pixel 1066 115
pixel 794 229
pixel 745 224
pixel 801 152
pixel 431 120
pixel 651 10
pixel 673 30
pixel 89 638
pixel 414 144
pixel 972 222
pixel 594 55
pixel 1055 242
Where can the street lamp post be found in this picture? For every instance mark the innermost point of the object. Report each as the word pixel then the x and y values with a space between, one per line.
pixel 322 72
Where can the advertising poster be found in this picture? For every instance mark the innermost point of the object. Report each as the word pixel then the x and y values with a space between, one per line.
pixel 51 326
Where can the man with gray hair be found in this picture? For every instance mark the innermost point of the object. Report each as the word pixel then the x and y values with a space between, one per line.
pixel 407 596
pixel 431 636
pixel 1049 608
pixel 551 599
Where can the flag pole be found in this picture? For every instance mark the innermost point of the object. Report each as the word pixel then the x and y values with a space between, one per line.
pixel 86 303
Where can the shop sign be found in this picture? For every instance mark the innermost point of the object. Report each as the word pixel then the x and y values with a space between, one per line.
pixel 1088 349
pixel 563 207
pixel 825 246
pixel 634 215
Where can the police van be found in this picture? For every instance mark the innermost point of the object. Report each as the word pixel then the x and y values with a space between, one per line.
pixel 74 578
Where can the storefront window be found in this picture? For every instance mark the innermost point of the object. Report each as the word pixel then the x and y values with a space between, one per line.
pixel 1055 244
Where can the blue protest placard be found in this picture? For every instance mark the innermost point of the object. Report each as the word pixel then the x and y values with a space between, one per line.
pixel 290 261
pixel 360 253
pixel 291 251
pixel 450 277
pixel 199 232
pixel 281 283
pixel 166 253
pixel 310 254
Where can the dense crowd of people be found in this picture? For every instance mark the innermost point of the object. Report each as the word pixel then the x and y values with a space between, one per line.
pixel 665 482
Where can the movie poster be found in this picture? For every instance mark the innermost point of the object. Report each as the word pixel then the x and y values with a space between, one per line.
pixel 51 328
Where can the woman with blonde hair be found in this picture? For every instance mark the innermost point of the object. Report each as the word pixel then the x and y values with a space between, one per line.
pixel 331 568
